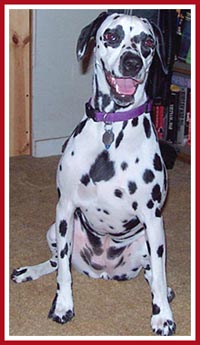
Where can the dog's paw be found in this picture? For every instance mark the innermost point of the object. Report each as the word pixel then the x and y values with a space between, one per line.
pixel 62 317
pixel 20 275
pixel 163 326
pixel 58 312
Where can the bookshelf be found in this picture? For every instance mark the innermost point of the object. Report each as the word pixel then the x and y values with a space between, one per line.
pixel 172 115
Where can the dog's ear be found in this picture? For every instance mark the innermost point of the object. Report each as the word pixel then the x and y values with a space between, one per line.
pixel 160 47
pixel 88 33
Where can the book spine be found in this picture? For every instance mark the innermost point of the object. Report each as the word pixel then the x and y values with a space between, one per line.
pixel 181 80
pixel 158 118
pixel 172 117
pixel 182 106
pixel 187 134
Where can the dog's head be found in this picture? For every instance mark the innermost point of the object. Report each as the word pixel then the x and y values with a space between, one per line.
pixel 124 50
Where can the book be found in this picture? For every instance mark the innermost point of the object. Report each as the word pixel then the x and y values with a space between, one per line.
pixel 181 80
pixel 182 113
pixel 173 114
pixel 187 133
pixel 159 118
pixel 185 36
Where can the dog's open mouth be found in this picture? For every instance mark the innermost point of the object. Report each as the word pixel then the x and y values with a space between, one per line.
pixel 122 86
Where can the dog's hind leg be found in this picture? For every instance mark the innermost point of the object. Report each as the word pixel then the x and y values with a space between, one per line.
pixel 27 273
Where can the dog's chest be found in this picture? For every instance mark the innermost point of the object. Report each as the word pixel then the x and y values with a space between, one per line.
pixel 109 185
pixel 107 206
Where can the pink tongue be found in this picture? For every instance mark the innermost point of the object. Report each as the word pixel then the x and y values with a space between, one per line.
pixel 125 86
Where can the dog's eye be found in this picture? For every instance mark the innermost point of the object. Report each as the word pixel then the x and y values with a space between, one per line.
pixel 149 43
pixel 110 37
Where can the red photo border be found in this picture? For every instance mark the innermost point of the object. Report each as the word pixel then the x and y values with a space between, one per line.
pixel 3 3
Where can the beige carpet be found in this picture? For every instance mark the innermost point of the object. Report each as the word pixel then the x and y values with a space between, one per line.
pixel 107 308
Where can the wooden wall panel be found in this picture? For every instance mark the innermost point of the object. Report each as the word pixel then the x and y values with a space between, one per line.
pixel 19 82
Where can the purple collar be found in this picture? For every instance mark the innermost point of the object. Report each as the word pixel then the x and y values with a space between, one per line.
pixel 117 116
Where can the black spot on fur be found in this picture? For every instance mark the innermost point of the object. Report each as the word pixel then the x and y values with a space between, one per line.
pixel 158 213
pixel 51 312
pixel 65 145
pixel 157 162
pixel 86 273
pixel 147 127
pixel 79 128
pixel 86 256
pixel 114 252
pixel 135 122
pixel 155 309
pixel 118 193
pixel 95 242
pixel 121 262
pixel 148 176
pixel 156 193
pixel 160 251
pixel 134 205
pixel 60 167
pixel 132 187
pixel 150 204
pixel 119 138
pixel 148 267
pixel 63 228
pixel 59 194
pixel 124 166
pixel 105 101
pixel 85 179
pixel 131 224
pixel 53 263
pixel 125 123
pixel 17 273
pixel 148 247
pixel 135 269
pixel 64 251
pixel 106 212
pixel 103 168
pixel 120 278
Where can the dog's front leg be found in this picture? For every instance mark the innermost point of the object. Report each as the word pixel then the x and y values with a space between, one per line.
pixel 62 306
pixel 162 320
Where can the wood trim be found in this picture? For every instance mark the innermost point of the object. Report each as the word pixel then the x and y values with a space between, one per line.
pixel 19 81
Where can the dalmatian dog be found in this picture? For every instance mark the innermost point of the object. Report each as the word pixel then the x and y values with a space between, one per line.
pixel 111 178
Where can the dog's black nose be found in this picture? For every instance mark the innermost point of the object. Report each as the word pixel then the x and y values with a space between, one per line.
pixel 130 64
